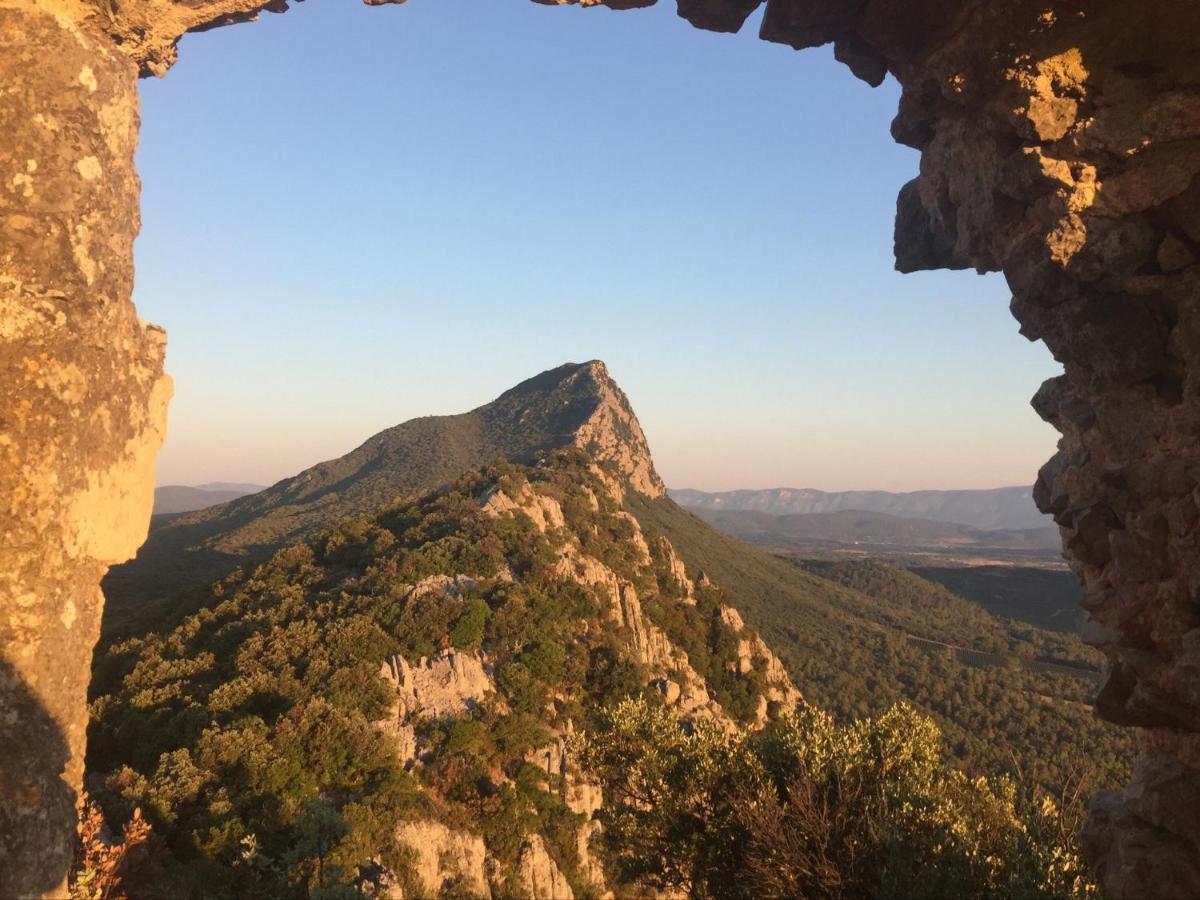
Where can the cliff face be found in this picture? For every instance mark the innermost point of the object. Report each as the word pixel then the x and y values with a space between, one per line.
pixel 82 408
pixel 1058 144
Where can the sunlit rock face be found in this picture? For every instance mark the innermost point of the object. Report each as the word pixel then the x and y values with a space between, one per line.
pixel 1060 144
pixel 82 409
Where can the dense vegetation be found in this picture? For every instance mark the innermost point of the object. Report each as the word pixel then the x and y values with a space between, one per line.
pixel 811 808
pixel 850 652
pixel 247 733
pixel 916 606
pixel 1047 598
pixel 247 730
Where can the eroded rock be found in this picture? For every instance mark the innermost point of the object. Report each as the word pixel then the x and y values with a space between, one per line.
pixel 444 858
pixel 541 879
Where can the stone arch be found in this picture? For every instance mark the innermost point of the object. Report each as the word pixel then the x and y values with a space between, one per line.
pixel 1060 144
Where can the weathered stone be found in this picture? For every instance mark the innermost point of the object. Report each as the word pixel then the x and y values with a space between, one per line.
pixel 450 684
pixel 445 857
pixel 718 15
pixel 540 877
pixel 82 409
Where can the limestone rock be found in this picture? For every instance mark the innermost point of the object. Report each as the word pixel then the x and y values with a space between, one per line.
pixel 545 512
pixel 444 856
pixel 614 438
pixel 540 877
pixel 589 866
pixel 449 684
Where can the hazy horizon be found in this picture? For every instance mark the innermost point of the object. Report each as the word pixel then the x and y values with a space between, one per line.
pixel 356 217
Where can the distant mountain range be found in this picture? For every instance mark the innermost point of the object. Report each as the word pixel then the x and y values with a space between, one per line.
pixel 180 498
pixel 1006 508
pixel 854 526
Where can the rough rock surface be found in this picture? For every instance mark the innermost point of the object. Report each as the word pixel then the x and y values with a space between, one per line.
pixel 541 879
pixel 444 856
pixel 449 684
pixel 1060 144
pixel 82 407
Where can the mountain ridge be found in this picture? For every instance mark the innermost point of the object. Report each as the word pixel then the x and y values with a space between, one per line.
pixel 993 509
pixel 170 499
pixel 575 404
pixel 409 676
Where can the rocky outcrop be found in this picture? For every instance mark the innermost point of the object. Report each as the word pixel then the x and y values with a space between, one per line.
pixel 1059 144
pixel 589 866
pixel 449 684
pixel 613 437
pixel 83 404
pixel 444 858
pixel 545 512
pixel 540 877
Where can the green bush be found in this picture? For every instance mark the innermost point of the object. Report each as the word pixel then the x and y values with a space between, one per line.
pixel 812 808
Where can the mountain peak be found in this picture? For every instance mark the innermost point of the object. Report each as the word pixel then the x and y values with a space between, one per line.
pixel 572 405
pixel 583 406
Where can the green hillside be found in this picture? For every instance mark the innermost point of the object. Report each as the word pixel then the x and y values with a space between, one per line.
pixel 390 708
pixel 264 746
pixel 844 639
pixel 1047 598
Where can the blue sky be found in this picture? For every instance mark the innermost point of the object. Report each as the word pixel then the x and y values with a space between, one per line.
pixel 353 216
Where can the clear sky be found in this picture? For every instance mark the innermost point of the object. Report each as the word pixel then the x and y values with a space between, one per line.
pixel 354 216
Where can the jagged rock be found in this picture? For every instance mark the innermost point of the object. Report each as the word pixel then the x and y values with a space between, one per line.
pixel 449 684
pixel 583 797
pixel 678 570
pixel 443 586
pixel 669 689
pixel 733 619
pixel 551 758
pixel 545 512
pixel 402 734
pixel 638 540
pixel 444 856
pixel 540 876
pixel 614 438
pixel 590 867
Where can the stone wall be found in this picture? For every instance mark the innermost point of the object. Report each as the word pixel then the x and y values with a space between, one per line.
pixel 1060 143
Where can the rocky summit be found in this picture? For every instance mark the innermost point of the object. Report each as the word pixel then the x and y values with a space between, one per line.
pixel 576 404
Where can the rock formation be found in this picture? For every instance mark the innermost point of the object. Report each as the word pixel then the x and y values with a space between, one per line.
pixel 1060 144
pixel 677 680
pixel 443 857
pixel 83 406
pixel 577 404
pixel 540 876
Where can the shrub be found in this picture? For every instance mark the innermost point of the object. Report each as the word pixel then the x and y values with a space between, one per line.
pixel 813 808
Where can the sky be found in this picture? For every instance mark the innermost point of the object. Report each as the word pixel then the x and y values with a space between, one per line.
pixel 353 216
